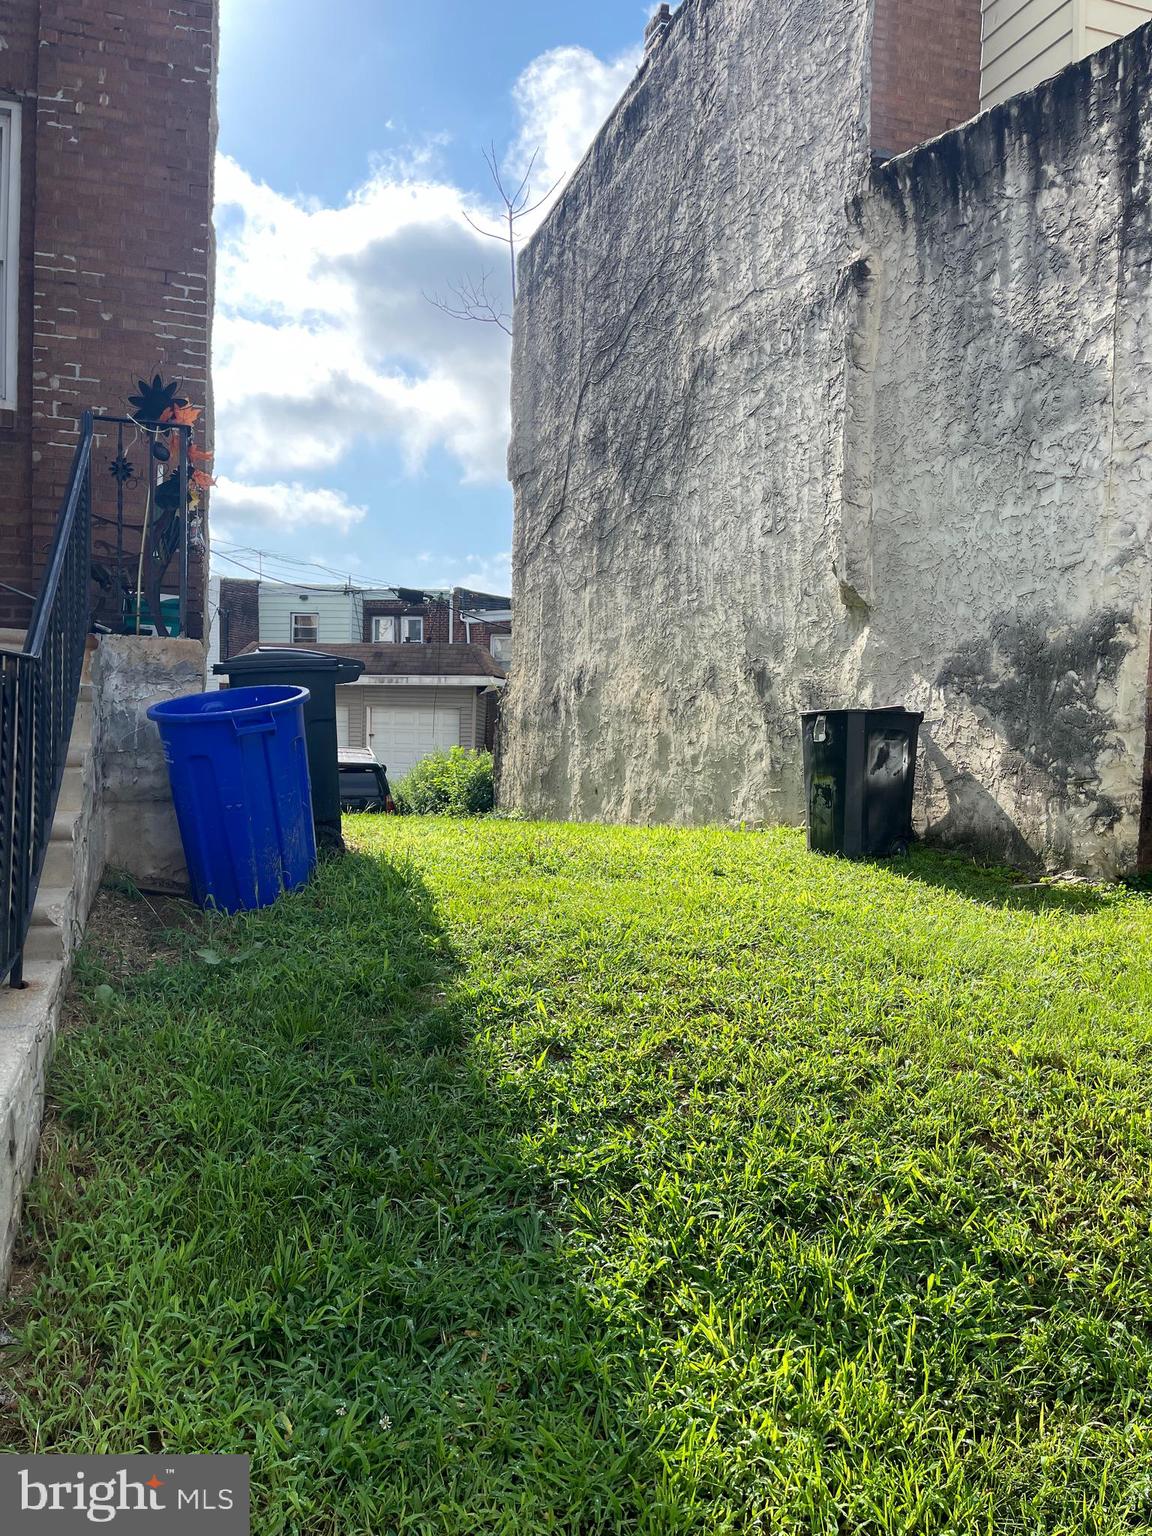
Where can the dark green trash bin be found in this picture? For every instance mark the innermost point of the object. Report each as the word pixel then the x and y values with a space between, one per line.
pixel 859 774
pixel 319 672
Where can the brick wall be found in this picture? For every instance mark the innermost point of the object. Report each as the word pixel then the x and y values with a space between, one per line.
pixel 434 612
pixel 925 70
pixel 119 136
pixel 476 632
pixel 239 615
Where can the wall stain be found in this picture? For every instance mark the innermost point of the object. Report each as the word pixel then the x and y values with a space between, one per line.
pixel 1039 681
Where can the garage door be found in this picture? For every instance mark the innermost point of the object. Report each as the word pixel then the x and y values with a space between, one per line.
pixel 400 735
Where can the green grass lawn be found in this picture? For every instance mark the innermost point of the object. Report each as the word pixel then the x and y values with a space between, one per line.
pixel 524 1179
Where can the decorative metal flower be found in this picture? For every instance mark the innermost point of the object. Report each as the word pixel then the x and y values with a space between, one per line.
pixel 155 400
pixel 122 469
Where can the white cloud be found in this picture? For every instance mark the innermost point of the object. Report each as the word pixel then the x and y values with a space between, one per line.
pixel 283 506
pixel 563 98
pixel 480 573
pixel 324 338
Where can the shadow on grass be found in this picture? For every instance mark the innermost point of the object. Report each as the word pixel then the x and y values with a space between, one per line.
pixel 993 885
pixel 287 1210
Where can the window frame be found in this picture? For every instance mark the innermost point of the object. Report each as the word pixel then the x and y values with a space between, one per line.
pixel 503 661
pixel 380 620
pixel 10 136
pixel 405 620
pixel 314 620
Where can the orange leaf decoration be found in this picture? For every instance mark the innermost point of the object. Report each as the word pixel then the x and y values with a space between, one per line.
pixel 202 478
pixel 198 455
pixel 183 415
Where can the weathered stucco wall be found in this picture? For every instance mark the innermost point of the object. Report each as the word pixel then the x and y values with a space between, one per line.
pixel 130 674
pixel 1000 448
pixel 679 365
pixel 790 433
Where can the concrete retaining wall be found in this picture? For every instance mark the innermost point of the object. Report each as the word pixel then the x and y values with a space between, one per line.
pixel 129 674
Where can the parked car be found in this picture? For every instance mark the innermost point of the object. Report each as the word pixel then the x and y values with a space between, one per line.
pixel 363 782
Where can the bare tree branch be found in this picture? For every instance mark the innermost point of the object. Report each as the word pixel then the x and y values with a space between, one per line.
pixel 471 300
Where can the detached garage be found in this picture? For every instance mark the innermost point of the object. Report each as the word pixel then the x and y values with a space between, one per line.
pixel 413 700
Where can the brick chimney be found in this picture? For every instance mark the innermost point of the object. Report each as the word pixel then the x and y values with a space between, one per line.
pixel 656 28
pixel 925 70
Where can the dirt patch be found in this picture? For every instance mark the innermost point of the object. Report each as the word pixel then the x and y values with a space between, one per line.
pixel 127 934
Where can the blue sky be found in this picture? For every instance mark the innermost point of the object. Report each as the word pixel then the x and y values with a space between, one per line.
pixel 358 427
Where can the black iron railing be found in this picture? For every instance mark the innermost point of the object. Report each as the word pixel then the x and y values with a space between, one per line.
pixel 39 686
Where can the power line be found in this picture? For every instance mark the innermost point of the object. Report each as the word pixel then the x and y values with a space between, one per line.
pixel 313 565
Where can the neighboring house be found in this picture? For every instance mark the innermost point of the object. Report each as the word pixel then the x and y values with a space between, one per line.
pixel 107 142
pixel 802 421
pixel 434 662
pixel 107 134
pixel 1027 41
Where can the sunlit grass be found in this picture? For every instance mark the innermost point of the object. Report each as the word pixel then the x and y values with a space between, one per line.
pixel 523 1179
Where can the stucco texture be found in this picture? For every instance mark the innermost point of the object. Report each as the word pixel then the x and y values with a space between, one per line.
pixel 1004 417
pixel 790 432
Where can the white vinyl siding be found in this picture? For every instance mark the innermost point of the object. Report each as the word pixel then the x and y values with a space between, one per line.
pixel 338 614
pixel 9 251
pixel 1106 20
pixel 1028 41
pixel 1025 41
pixel 342 713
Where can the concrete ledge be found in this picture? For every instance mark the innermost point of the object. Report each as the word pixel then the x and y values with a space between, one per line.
pixel 27 1029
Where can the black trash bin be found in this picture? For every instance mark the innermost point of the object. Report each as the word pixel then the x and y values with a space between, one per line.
pixel 319 672
pixel 859 773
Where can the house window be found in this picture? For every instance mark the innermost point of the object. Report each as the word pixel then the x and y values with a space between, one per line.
pixel 502 649
pixel 9 249
pixel 384 631
pixel 412 629
pixel 305 629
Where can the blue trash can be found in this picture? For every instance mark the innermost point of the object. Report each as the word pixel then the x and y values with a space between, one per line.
pixel 238 763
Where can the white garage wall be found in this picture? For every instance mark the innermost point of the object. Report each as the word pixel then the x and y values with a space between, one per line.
pixel 466 701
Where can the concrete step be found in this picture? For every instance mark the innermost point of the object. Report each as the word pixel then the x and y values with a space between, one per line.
pixel 64 826
pixel 13 640
pixel 50 916
pixel 72 784
pixel 60 860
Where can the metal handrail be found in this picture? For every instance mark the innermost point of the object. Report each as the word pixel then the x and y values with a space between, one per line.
pixel 39 687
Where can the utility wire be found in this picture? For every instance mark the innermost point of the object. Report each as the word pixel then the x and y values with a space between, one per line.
pixel 314 565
